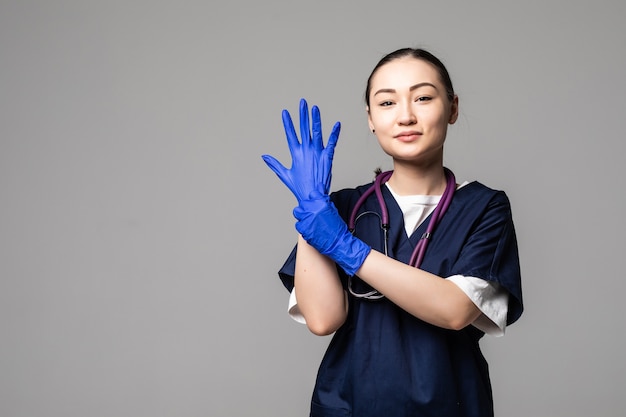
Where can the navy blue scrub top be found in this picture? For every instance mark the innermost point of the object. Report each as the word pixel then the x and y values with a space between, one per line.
pixel 385 362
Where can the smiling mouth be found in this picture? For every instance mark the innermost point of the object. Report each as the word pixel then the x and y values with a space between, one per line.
pixel 408 136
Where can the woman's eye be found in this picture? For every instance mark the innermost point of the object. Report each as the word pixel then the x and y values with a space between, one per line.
pixel 423 98
pixel 386 103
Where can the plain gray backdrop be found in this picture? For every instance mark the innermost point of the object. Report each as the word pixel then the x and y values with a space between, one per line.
pixel 140 231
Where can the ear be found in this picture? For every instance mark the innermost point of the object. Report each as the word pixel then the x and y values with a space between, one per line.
pixel 369 118
pixel 454 110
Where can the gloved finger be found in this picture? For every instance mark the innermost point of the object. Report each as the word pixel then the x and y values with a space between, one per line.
pixel 305 129
pixel 283 174
pixel 318 141
pixel 332 139
pixel 277 167
pixel 290 132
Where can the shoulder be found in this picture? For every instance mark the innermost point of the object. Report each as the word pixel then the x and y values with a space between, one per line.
pixel 477 202
pixel 477 192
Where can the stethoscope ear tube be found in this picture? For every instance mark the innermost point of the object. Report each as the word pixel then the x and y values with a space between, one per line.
pixel 420 249
pixel 377 188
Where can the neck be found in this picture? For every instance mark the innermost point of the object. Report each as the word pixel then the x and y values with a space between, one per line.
pixel 411 180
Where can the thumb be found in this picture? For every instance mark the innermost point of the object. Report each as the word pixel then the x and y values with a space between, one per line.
pixel 274 165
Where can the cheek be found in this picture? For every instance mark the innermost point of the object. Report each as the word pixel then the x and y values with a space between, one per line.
pixel 436 118
pixel 381 119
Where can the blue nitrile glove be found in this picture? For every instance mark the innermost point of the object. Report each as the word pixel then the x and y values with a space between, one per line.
pixel 322 227
pixel 311 166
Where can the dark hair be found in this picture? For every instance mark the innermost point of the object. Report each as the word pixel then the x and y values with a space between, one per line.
pixel 417 54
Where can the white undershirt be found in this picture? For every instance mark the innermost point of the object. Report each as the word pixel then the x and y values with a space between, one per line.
pixel 490 298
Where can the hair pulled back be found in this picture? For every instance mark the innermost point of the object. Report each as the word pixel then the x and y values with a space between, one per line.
pixel 416 53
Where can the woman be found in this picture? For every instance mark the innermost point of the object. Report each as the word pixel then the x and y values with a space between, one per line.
pixel 407 322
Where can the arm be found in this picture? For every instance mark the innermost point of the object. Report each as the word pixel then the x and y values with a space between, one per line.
pixel 321 298
pixel 489 252
pixel 422 294
pixel 323 302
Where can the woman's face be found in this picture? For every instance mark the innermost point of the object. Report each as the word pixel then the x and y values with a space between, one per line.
pixel 410 111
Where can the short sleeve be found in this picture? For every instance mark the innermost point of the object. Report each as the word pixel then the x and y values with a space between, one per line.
pixel 491 253
pixel 293 310
pixel 490 298
pixel 287 272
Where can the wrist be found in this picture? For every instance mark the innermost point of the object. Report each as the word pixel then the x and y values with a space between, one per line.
pixel 322 227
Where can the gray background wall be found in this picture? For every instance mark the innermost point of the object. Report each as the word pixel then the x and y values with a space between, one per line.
pixel 140 232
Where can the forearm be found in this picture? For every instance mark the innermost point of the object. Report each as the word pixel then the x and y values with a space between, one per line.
pixel 420 293
pixel 321 298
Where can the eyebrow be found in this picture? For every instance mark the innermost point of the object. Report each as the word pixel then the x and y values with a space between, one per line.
pixel 413 87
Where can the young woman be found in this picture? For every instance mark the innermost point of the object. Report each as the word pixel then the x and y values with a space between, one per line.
pixel 410 271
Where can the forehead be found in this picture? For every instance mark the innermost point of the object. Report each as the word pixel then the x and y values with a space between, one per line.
pixel 405 72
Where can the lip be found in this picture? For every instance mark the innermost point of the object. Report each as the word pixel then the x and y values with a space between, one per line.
pixel 408 136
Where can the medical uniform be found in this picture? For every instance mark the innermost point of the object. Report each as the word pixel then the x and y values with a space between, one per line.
pixel 385 362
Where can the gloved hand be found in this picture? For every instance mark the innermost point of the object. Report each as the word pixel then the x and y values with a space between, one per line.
pixel 311 167
pixel 322 227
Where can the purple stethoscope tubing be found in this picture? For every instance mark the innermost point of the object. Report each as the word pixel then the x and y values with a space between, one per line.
pixel 420 249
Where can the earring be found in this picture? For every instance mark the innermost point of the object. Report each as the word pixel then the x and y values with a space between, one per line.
pixel 373 130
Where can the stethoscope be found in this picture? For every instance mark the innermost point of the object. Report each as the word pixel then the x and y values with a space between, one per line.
pixel 420 249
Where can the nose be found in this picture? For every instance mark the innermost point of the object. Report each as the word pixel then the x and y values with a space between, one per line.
pixel 406 115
